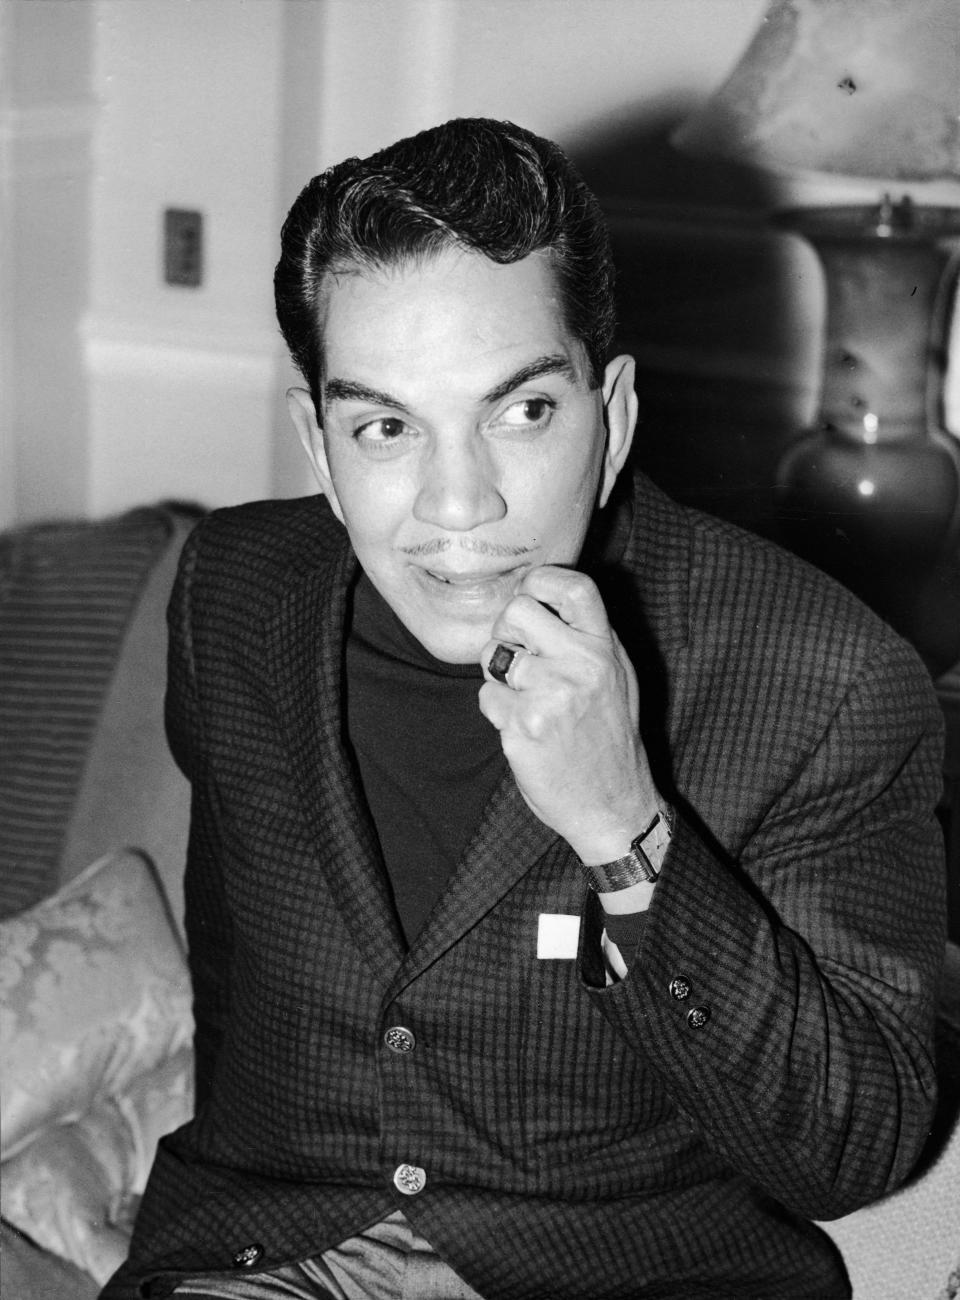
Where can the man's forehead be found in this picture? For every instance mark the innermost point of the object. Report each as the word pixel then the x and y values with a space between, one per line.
pixel 457 308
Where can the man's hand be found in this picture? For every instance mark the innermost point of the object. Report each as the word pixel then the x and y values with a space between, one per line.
pixel 568 720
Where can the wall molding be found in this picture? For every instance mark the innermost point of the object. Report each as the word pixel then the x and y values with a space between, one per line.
pixel 112 343
pixel 58 119
pixel 48 140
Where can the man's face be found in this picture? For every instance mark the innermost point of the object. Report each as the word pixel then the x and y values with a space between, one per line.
pixel 461 442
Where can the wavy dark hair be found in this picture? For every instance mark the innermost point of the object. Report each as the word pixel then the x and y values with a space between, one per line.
pixel 473 183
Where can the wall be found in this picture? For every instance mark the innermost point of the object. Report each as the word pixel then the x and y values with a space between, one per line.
pixel 572 69
pixel 181 379
pixel 47 118
pixel 121 388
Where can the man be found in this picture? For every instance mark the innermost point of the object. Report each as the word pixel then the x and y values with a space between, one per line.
pixel 564 893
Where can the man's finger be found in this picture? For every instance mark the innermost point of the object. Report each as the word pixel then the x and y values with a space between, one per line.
pixel 495 703
pixel 526 622
pixel 572 595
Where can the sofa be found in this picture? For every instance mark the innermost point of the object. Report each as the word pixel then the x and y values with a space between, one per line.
pixel 95 1015
pixel 95 1008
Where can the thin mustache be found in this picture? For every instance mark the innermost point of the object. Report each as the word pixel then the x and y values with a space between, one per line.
pixel 475 545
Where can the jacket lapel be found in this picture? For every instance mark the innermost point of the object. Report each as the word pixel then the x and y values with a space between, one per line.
pixel 305 637
pixel 509 841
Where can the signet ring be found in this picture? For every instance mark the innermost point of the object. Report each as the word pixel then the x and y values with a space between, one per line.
pixel 501 661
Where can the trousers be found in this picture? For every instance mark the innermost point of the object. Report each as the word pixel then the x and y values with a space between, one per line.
pixel 388 1261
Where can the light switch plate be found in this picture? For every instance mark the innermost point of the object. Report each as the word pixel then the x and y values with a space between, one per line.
pixel 183 247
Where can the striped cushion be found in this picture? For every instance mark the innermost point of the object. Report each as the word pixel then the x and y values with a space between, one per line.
pixel 67 591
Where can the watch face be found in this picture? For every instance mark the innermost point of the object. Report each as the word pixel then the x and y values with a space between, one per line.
pixel 651 847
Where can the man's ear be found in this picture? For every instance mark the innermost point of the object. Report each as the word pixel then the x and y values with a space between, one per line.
pixel 620 417
pixel 303 413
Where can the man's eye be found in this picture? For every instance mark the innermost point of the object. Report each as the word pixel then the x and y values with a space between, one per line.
pixel 532 412
pixel 386 429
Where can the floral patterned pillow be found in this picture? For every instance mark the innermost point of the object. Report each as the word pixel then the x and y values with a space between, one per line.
pixel 75 1188
pixel 94 992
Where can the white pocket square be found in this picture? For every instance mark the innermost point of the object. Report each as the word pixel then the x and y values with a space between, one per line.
pixel 558 935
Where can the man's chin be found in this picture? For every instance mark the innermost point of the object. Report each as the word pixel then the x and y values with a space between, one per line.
pixel 454 650
pixel 454 626
pixel 451 643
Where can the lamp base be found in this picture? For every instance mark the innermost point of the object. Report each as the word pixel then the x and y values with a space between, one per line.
pixel 872 493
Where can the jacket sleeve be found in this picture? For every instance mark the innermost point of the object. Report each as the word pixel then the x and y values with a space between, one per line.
pixel 207 918
pixel 786 998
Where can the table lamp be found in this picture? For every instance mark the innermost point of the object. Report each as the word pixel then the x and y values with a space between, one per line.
pixel 867 90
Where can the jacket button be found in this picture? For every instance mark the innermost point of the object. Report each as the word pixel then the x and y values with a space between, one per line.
pixel 399 1039
pixel 697 1017
pixel 409 1179
pixel 249 1256
pixel 680 987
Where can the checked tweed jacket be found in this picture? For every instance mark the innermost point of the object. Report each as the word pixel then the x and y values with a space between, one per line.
pixel 578 1140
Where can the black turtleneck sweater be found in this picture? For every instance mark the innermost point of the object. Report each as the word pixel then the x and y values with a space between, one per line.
pixel 428 759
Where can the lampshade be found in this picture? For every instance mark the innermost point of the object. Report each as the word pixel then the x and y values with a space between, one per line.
pixel 867 88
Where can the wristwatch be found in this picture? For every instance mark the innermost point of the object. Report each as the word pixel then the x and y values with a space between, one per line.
pixel 642 863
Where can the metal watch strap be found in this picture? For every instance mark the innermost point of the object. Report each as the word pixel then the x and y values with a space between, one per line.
pixel 642 863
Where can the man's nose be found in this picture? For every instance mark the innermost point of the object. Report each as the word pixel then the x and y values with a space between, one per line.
pixel 459 487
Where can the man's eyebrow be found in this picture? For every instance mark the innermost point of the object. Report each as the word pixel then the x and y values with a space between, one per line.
pixel 348 390
pixel 548 365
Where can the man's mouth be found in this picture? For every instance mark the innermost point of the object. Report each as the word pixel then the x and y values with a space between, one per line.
pixel 470 578
pixel 474 586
